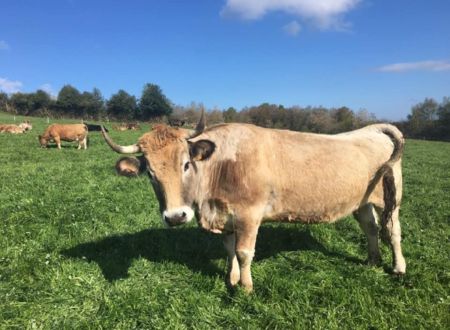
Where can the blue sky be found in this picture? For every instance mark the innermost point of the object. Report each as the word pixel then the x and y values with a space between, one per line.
pixel 383 56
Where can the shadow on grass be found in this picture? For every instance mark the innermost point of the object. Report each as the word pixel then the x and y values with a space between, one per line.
pixel 188 246
pixel 63 146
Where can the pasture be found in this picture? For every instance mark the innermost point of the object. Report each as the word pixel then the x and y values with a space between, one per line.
pixel 81 247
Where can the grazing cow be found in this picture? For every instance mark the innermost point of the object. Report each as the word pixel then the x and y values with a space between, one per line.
pixel 236 176
pixel 10 128
pixel 66 132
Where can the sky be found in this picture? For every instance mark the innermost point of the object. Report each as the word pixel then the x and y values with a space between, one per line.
pixel 380 55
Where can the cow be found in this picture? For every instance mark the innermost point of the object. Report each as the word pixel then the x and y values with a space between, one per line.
pixel 65 132
pixel 26 126
pixel 233 177
pixel 176 122
pixel 10 128
pixel 95 128
pixel 127 126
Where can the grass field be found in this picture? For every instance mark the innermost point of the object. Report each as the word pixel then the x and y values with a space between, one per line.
pixel 83 248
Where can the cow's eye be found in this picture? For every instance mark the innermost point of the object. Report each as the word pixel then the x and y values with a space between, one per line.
pixel 186 166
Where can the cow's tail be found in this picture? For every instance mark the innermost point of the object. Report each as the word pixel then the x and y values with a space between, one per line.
pixel 387 173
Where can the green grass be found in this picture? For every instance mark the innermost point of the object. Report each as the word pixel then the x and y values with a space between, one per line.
pixel 81 247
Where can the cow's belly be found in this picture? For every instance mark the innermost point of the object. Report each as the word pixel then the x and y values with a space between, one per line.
pixel 69 139
pixel 316 202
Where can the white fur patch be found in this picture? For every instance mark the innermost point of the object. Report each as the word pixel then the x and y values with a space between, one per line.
pixel 177 212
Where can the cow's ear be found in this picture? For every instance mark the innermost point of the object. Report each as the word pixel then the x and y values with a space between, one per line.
pixel 201 150
pixel 131 166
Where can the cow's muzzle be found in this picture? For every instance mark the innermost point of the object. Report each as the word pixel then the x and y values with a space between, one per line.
pixel 176 217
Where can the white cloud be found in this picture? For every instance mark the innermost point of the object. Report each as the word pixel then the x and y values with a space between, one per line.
pixel 48 89
pixel 416 66
pixel 324 13
pixel 292 28
pixel 4 45
pixel 10 86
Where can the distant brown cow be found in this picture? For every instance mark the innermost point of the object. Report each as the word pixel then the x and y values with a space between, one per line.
pixel 9 128
pixel 67 132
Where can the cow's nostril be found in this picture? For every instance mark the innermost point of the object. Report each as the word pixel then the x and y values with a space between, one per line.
pixel 166 219
pixel 183 214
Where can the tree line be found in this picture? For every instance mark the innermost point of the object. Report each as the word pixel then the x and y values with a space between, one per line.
pixel 428 119
pixel 71 103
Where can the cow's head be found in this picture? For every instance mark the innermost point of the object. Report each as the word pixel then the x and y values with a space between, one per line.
pixel 171 161
pixel 43 141
pixel 26 126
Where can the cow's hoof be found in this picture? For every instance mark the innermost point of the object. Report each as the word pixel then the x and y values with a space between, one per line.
pixel 399 270
pixel 232 279
pixel 248 289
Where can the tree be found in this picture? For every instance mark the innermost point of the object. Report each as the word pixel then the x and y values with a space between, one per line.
pixel 69 101
pixel 92 104
pixel 40 102
pixel 230 115
pixel 444 119
pixel 21 103
pixel 422 120
pixel 153 103
pixel 363 118
pixel 3 101
pixel 121 106
pixel 214 116
pixel 344 119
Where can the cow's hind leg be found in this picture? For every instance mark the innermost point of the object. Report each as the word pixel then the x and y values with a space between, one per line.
pixel 233 273
pixel 392 235
pixel 83 143
pixel 366 217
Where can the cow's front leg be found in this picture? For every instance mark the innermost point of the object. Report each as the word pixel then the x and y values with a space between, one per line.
pixel 245 250
pixel 233 273
pixel 57 141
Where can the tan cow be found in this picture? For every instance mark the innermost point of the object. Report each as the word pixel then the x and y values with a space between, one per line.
pixel 66 132
pixel 127 126
pixel 26 125
pixel 236 176
pixel 10 128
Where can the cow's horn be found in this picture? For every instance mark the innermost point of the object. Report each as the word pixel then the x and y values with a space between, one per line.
pixel 200 126
pixel 131 149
